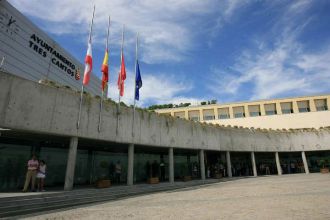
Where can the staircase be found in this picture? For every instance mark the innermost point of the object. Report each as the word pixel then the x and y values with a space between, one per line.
pixel 29 204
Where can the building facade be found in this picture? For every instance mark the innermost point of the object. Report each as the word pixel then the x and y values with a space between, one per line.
pixel 28 52
pixel 288 113
pixel 41 119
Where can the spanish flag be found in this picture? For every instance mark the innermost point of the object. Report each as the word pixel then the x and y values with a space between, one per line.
pixel 105 70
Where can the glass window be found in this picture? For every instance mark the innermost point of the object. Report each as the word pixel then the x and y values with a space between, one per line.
pixel 223 113
pixel 286 107
pixel 303 106
pixel 270 109
pixel 179 114
pixel 13 160
pixel 208 114
pixel 254 110
pixel 56 161
pixel 143 163
pixel 239 112
pixel 321 104
pixel 194 115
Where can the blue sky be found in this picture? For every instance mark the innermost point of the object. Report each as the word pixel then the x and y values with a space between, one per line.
pixel 194 50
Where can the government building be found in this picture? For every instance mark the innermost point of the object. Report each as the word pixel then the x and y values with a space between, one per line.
pixel 287 113
pixel 39 118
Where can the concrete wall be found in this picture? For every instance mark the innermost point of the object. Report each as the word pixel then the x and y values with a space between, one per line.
pixel 34 107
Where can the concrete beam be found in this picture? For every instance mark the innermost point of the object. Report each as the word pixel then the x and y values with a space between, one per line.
pixel 71 164
pixel 278 164
pixel 202 164
pixel 171 164
pixel 305 162
pixel 130 166
pixel 254 167
pixel 50 111
pixel 229 173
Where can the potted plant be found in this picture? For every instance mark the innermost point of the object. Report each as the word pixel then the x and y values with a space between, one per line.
pixel 103 181
pixel 323 165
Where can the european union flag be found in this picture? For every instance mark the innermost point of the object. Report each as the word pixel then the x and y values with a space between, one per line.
pixel 138 81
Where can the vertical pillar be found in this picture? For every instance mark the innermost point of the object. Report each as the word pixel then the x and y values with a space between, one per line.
pixel 254 167
pixel 202 164
pixel 130 165
pixel 278 164
pixel 71 164
pixel 171 164
pixel 305 162
pixel 229 173
pixel 201 118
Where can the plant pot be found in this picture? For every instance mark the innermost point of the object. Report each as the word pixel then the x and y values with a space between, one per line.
pixel 324 170
pixel 103 183
pixel 186 178
pixel 153 180
pixel 218 175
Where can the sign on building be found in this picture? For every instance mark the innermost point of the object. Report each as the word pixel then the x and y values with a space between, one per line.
pixel 30 53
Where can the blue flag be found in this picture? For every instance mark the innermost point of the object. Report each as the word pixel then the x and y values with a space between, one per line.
pixel 138 81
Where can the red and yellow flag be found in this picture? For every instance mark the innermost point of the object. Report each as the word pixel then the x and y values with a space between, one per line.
pixel 105 70
pixel 121 76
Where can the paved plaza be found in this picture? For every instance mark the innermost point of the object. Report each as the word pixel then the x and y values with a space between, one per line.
pixel 297 196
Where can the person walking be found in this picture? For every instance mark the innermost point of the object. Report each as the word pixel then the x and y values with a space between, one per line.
pixel 41 175
pixel 32 167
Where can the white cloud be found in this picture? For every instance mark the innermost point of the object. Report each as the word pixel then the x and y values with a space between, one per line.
pixel 278 64
pixel 167 28
pixel 156 89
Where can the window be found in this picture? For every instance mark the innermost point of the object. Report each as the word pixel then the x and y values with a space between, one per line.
pixel 254 110
pixel 286 107
pixel 179 114
pixel 270 109
pixel 239 112
pixel 223 113
pixel 303 106
pixel 208 114
pixel 321 104
pixel 194 115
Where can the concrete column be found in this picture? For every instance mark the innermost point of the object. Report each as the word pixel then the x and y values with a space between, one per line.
pixel 246 111
pixel 312 105
pixel 305 162
pixel 231 112
pixel 201 118
pixel 171 164
pixel 262 109
pixel 130 165
pixel 295 106
pixel 229 173
pixel 278 164
pixel 254 167
pixel 202 164
pixel 71 164
pixel 278 108
pixel 216 113
pixel 186 114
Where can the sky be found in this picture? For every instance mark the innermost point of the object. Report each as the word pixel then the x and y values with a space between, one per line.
pixel 193 50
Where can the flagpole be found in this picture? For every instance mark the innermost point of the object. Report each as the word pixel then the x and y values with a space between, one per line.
pixel 136 58
pixel 82 87
pixel 103 87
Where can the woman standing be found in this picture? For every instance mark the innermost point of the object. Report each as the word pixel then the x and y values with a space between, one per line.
pixel 41 175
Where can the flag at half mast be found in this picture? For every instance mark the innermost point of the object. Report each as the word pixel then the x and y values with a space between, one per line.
pixel 121 76
pixel 138 81
pixel 105 70
pixel 88 64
